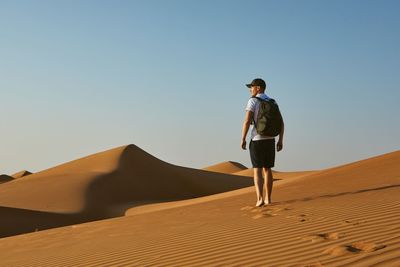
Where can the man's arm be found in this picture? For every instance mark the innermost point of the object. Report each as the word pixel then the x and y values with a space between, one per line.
pixel 245 129
pixel 279 145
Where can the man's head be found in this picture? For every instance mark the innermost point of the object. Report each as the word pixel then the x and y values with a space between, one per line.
pixel 256 86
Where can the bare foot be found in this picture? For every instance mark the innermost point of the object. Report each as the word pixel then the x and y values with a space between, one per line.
pixel 260 203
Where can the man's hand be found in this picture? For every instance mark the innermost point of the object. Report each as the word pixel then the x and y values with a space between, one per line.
pixel 279 145
pixel 246 125
pixel 243 145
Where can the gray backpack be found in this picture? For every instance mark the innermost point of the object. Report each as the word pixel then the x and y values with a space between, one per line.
pixel 269 119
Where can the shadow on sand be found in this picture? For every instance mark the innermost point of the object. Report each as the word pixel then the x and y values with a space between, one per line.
pixel 139 178
pixel 340 194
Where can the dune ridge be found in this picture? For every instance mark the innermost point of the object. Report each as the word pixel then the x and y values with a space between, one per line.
pixel 5 178
pixel 21 174
pixel 279 175
pixel 104 185
pixel 226 167
pixel 364 174
pixel 235 168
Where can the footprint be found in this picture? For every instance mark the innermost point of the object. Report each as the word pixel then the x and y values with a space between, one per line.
pixel 302 218
pixel 251 209
pixel 264 215
pixel 323 237
pixel 355 248
pixel 258 216
pixel 270 211
pixel 317 264
pixel 274 209
pixel 353 222
pixel 277 209
pixel 265 211
pixel 367 247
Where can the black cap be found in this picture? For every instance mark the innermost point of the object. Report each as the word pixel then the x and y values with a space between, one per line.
pixel 257 82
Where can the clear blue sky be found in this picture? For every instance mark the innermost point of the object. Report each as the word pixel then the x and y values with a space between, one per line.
pixel 79 77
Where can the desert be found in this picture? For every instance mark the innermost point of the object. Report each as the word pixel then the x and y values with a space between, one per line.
pixel 124 207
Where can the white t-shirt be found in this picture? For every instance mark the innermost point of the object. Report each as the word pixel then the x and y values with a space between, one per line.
pixel 254 105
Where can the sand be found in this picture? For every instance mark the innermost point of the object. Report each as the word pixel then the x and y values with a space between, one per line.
pixel 102 185
pixel 5 178
pixel 21 174
pixel 342 216
pixel 230 167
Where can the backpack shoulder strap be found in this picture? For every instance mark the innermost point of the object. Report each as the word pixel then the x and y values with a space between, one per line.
pixel 259 98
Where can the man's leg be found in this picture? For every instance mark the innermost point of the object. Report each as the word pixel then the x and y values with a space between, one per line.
pixel 269 180
pixel 258 182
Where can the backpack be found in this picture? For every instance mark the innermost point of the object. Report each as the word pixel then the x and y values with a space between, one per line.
pixel 269 119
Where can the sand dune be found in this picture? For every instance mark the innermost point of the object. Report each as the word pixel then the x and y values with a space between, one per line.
pixel 343 216
pixel 235 168
pixel 5 178
pixel 381 170
pixel 277 174
pixel 226 167
pixel 105 184
pixel 21 174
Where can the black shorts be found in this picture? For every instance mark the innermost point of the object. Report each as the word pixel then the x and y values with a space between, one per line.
pixel 262 153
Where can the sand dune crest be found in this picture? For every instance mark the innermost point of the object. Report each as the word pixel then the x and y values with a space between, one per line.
pixel 226 167
pixel 5 178
pixel 21 174
pixel 105 184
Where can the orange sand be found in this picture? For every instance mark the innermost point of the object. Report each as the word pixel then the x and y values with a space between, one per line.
pixel 5 178
pixel 343 216
pixel 226 167
pixel 21 174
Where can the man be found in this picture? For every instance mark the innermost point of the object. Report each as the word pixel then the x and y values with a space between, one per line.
pixel 262 148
